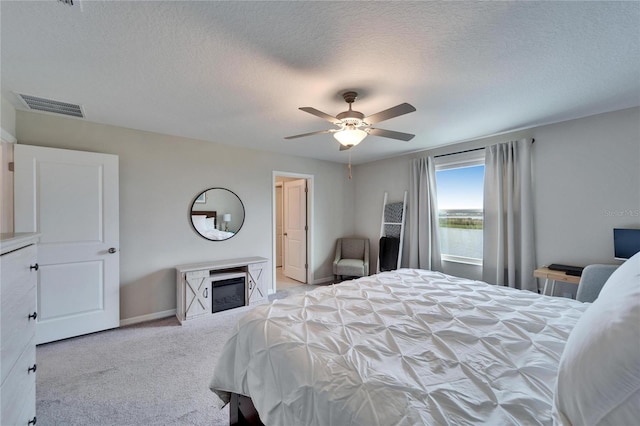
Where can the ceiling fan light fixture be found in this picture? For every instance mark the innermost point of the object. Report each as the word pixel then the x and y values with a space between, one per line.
pixel 350 137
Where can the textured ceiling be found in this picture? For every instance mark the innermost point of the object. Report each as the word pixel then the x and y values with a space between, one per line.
pixel 236 72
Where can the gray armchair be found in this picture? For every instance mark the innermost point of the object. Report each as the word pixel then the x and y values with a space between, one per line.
pixel 591 282
pixel 352 258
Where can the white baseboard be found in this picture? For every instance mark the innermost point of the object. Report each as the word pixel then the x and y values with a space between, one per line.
pixel 148 317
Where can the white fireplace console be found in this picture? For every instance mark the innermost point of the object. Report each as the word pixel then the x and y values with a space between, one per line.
pixel 196 289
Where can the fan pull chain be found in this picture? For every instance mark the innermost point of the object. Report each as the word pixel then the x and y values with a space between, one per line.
pixel 349 166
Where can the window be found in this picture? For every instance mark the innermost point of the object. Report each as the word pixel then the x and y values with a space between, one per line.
pixel 460 187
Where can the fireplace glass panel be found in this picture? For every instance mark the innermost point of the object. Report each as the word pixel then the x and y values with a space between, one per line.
pixel 228 293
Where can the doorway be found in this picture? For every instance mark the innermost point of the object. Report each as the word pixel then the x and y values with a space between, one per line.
pixel 292 229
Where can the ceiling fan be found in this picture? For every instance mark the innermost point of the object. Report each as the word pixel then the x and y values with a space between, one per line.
pixel 353 126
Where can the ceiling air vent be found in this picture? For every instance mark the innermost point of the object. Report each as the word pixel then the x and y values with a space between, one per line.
pixel 48 105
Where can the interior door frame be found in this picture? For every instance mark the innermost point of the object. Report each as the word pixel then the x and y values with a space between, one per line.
pixel 279 236
pixel 310 231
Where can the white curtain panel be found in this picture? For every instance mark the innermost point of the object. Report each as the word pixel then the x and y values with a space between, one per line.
pixel 508 247
pixel 424 248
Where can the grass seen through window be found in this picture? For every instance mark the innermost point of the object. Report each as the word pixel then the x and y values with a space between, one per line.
pixel 460 222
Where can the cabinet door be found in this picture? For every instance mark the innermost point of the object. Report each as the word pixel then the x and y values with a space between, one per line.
pixel 197 294
pixel 257 286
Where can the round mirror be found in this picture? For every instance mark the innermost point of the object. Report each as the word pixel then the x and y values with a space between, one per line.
pixel 217 214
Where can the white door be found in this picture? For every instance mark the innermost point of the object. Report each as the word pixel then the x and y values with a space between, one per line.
pixel 71 198
pixel 295 230
pixel 279 226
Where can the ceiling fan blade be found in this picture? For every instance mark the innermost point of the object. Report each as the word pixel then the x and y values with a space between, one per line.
pixel 390 113
pixel 320 114
pixel 390 134
pixel 310 133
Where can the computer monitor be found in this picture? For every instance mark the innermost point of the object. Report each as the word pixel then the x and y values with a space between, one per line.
pixel 626 243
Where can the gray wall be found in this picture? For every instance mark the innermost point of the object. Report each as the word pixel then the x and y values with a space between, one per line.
pixel 7 117
pixel 586 182
pixel 159 177
pixel 7 137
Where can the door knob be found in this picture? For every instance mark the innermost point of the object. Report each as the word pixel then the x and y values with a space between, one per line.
pixel 285 234
pixel 112 250
pixel 34 267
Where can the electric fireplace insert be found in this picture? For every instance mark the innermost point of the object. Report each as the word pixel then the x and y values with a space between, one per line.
pixel 228 290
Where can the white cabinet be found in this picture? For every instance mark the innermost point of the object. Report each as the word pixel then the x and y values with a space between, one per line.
pixel 256 285
pixel 18 278
pixel 196 285
pixel 196 293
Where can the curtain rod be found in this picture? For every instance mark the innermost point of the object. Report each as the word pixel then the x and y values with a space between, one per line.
pixel 468 150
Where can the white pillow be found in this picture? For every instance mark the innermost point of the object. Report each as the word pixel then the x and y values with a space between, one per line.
pixel 199 222
pixel 599 371
pixel 210 223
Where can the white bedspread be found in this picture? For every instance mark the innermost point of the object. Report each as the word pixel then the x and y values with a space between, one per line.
pixel 407 347
pixel 216 234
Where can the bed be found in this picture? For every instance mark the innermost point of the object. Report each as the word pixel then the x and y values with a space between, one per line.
pixel 205 223
pixel 410 347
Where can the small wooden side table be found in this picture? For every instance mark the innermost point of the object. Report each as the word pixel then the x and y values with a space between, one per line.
pixel 553 276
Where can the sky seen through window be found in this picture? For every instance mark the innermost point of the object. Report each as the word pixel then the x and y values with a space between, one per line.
pixel 460 188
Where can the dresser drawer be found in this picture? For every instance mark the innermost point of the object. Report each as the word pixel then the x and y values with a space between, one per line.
pixel 18 388
pixel 28 412
pixel 16 273
pixel 17 329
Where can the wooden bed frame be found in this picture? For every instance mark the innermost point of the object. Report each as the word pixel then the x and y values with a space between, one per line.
pixel 207 213
pixel 242 412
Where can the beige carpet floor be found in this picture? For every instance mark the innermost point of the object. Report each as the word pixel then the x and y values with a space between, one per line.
pixel 154 373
